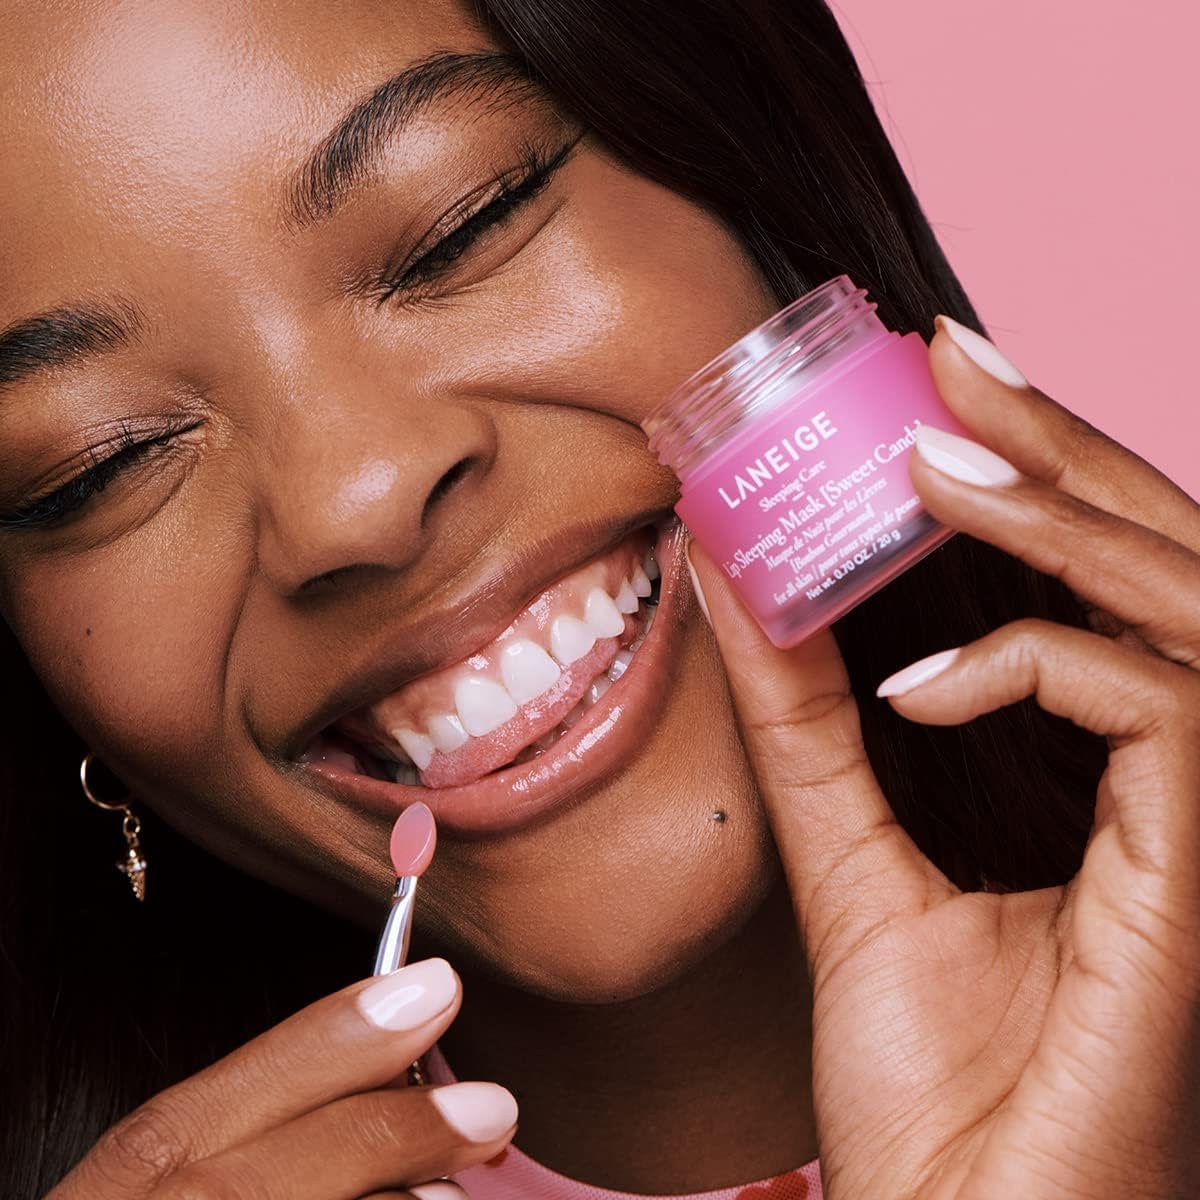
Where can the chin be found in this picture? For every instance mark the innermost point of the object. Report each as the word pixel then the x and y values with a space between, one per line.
pixel 645 950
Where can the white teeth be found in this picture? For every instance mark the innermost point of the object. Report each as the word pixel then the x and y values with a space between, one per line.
pixel 627 601
pixel 602 615
pixel 596 690
pixel 570 639
pixel 446 732
pixel 416 745
pixel 482 705
pixel 620 665
pixel 527 670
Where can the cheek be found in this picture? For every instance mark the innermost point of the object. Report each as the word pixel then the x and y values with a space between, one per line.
pixel 634 290
pixel 132 649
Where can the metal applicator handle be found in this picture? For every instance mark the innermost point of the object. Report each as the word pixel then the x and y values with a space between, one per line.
pixel 397 929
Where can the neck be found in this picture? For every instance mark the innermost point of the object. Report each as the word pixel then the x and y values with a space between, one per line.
pixel 702 1085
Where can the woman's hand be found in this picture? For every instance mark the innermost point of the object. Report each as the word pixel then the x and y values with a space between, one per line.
pixel 309 1110
pixel 1040 1044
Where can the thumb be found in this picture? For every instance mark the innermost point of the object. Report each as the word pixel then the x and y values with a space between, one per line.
pixel 849 864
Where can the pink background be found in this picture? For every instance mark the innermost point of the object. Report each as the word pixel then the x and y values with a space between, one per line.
pixel 1053 146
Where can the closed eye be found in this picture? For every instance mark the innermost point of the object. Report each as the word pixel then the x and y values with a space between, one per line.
pixel 509 193
pixel 109 461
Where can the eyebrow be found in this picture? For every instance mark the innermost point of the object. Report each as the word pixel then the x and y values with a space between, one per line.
pixel 63 336
pixel 343 157
pixel 350 150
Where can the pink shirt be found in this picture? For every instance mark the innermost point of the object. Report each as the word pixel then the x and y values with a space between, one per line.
pixel 513 1175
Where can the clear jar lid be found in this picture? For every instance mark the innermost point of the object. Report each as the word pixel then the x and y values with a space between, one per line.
pixel 769 365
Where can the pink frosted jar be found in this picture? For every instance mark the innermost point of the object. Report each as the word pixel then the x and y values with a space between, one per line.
pixel 791 448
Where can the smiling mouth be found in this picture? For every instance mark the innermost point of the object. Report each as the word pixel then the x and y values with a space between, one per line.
pixel 512 700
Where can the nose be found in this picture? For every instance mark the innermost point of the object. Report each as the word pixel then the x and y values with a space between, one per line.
pixel 353 483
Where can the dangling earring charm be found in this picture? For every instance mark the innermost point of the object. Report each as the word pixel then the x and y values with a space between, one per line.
pixel 133 865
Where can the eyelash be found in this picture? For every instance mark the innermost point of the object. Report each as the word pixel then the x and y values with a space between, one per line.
pixel 124 451
pixel 518 188
pixel 528 182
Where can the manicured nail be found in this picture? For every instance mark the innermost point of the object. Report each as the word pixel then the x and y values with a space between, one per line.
pixel 478 1112
pixel 408 998
pixel 696 584
pixel 963 459
pixel 981 352
pixel 441 1189
pixel 922 671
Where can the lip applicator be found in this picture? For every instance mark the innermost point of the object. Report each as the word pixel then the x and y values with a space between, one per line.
pixel 414 837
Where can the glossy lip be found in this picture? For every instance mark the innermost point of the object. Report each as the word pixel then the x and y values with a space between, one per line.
pixel 607 737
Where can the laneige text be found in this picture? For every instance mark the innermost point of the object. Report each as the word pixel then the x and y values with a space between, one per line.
pixel 778 459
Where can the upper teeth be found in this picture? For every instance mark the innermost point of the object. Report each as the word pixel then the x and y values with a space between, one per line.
pixel 482 705
pixel 570 639
pixel 602 615
pixel 528 671
pixel 447 732
pixel 416 745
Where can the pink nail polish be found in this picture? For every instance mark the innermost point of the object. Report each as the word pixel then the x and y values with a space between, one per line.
pixel 477 1112
pixel 440 1189
pixel 792 451
pixel 915 674
pixel 410 997
pixel 982 352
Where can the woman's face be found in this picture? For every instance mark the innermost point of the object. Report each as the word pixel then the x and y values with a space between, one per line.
pixel 361 455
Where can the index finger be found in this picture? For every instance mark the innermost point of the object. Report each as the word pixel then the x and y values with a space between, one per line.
pixel 1047 441
pixel 356 1040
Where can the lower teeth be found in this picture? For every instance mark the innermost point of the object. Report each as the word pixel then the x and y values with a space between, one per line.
pixel 620 665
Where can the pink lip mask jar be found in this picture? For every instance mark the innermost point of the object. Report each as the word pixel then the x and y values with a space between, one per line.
pixel 791 449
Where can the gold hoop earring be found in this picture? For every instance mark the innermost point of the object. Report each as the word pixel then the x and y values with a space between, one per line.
pixel 133 865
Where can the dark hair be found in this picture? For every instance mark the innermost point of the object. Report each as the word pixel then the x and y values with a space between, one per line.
pixel 757 110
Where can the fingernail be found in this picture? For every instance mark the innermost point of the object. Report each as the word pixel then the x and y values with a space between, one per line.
pixel 981 352
pixel 408 998
pixel 963 459
pixel 696 584
pixel 478 1112
pixel 922 671
pixel 441 1189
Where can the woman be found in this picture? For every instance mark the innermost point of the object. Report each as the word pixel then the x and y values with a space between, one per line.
pixel 327 331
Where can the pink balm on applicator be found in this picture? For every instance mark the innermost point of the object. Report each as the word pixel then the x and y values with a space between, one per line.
pixel 414 837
